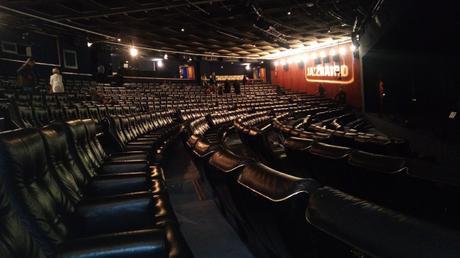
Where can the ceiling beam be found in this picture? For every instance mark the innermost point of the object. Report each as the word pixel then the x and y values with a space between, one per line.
pixel 135 10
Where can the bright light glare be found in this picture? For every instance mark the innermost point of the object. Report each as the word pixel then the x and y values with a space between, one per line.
pixel 133 51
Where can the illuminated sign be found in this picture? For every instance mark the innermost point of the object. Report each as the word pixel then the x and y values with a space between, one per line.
pixel 328 71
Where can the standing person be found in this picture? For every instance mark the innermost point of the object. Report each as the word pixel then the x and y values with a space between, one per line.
pixel 237 87
pixel 100 76
pixel 341 96
pixel 227 86
pixel 213 82
pixel 26 76
pixel 118 79
pixel 57 86
pixel 321 90
pixel 381 88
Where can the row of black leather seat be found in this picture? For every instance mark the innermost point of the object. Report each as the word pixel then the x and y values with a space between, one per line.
pixel 64 196
pixel 267 208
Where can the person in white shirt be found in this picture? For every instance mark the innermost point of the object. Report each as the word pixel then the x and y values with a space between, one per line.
pixel 57 86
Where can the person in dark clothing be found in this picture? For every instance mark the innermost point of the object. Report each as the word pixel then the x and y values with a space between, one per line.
pixel 220 89
pixel 321 90
pixel 237 87
pixel 26 76
pixel 244 80
pixel 118 79
pixel 341 96
pixel 227 87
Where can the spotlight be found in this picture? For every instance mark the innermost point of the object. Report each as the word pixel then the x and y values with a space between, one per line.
pixel 165 57
pixel 248 67
pixel 342 51
pixel 133 51
pixel 89 44
pixel 160 63
pixel 289 13
pixel 182 29
pixel 119 39
pixel 189 59
pixel 221 67
pixel 262 61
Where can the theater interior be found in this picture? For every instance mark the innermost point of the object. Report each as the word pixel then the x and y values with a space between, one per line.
pixel 229 128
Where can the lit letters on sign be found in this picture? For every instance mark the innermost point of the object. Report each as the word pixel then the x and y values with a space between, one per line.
pixel 328 71
pixel 339 69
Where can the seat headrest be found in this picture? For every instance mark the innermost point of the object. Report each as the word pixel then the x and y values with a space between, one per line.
pixel 55 140
pixel 376 162
pixel 274 185
pixel 329 151
pixel 23 151
pixel 203 148
pixel 296 143
pixel 77 130
pixel 90 127
pixel 226 161
pixel 376 230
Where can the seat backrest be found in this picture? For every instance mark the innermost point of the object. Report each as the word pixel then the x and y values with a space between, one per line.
pixel 16 239
pixel 63 162
pixel 79 145
pixel 377 162
pixel 25 165
pixel 377 231
pixel 94 143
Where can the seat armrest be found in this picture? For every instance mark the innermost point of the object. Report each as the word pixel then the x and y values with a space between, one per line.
pixel 141 243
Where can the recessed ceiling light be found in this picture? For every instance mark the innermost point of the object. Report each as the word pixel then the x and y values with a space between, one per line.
pixel 289 13
pixel 182 29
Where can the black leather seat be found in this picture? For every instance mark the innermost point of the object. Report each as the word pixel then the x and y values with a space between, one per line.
pixel 328 163
pixel 222 172
pixel 273 203
pixel 57 218
pixel 374 230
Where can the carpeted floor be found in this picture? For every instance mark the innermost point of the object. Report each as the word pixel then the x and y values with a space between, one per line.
pixel 205 229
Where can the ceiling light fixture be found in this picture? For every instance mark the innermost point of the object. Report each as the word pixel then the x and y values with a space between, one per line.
pixel 160 63
pixel 165 57
pixel 89 44
pixel 119 39
pixel 342 51
pixel 289 13
pixel 133 51
pixel 182 29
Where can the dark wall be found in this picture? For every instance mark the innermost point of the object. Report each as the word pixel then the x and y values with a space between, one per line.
pixel 418 62
pixel 223 68
pixel 46 49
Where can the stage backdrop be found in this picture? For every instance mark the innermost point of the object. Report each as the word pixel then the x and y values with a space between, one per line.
pixel 332 67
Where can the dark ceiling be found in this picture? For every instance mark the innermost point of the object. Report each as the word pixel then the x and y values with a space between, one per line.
pixel 239 28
